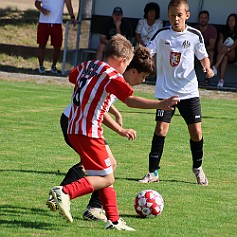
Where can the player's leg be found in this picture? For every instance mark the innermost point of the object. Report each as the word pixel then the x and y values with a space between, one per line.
pixel 190 110
pixel 94 211
pixel 56 42
pixel 163 119
pixel 42 39
pixel 96 162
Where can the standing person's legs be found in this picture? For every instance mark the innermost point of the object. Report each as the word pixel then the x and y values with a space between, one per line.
pixel 42 39
pixel 56 41
pixel 190 110
pixel 163 119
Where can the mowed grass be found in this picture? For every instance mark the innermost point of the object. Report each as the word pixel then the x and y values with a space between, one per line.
pixel 34 157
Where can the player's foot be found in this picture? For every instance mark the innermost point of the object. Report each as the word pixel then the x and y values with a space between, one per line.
pixel 63 202
pixel 54 70
pixel 121 225
pixel 52 205
pixel 149 178
pixel 94 214
pixel 41 70
pixel 214 70
pixel 220 83
pixel 200 176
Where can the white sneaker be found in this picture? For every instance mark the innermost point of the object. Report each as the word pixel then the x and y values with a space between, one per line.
pixel 149 178
pixel 52 205
pixel 94 214
pixel 200 176
pixel 220 84
pixel 63 201
pixel 120 226
pixel 214 70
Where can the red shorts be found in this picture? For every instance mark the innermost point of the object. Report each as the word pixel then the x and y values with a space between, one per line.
pixel 53 30
pixel 94 156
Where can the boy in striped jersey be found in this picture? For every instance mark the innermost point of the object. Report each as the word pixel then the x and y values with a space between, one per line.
pixel 140 67
pixel 97 84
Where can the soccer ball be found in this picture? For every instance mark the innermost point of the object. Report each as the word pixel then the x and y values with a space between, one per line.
pixel 149 203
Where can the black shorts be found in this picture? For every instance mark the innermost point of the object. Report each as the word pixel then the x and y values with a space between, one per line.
pixel 189 109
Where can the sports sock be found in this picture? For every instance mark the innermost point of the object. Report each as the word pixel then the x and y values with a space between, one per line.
pixel 94 200
pixel 156 152
pixel 74 173
pixel 78 188
pixel 108 199
pixel 197 153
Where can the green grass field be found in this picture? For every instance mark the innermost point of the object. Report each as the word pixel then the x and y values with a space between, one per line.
pixel 34 157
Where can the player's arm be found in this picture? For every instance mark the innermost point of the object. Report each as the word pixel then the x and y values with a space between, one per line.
pixel 117 115
pixel 143 103
pixel 70 10
pixel 206 67
pixel 110 123
pixel 40 8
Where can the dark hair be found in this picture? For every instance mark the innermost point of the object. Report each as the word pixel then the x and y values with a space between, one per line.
pixel 204 12
pixel 235 16
pixel 152 6
pixel 142 61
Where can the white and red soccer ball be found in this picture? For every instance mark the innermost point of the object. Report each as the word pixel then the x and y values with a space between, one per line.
pixel 149 203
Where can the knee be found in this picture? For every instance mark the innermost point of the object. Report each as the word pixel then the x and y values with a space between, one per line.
pixel 197 136
pixel 110 180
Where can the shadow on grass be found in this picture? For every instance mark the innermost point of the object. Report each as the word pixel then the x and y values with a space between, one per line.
pixel 36 172
pixel 161 180
pixel 29 71
pixel 15 213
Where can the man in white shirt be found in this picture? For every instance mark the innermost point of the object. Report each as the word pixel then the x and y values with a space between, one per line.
pixel 50 24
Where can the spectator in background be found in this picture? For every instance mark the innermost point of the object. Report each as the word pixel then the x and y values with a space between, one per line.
pixel 209 33
pixel 116 25
pixel 148 26
pixel 50 24
pixel 226 47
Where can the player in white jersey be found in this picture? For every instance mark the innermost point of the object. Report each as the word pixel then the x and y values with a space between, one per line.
pixel 96 83
pixel 176 47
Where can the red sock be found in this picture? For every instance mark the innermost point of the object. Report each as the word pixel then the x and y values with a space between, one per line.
pixel 108 199
pixel 78 188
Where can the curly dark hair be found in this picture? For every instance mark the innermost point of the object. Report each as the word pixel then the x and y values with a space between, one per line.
pixel 152 6
pixel 142 61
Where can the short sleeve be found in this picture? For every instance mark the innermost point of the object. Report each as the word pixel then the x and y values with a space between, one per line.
pixel 119 88
pixel 139 26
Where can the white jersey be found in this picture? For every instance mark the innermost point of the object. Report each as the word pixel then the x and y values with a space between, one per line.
pixel 176 53
pixel 56 11
pixel 145 31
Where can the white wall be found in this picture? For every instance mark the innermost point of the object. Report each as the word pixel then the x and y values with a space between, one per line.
pixel 219 9
pixel 135 8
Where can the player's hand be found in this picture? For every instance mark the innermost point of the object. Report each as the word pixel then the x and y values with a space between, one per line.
pixel 45 12
pixel 169 103
pixel 129 133
pixel 209 73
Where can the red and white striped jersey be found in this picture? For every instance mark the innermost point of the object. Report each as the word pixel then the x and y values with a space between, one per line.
pixel 97 85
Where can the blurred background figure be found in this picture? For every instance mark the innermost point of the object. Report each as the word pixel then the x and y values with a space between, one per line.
pixel 147 27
